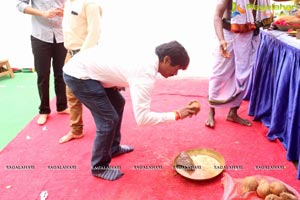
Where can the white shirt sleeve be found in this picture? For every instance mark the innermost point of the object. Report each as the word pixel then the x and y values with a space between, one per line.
pixel 140 90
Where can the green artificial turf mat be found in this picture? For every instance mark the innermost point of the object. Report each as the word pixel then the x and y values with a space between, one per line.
pixel 19 103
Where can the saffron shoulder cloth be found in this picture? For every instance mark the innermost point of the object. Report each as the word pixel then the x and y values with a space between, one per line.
pixel 242 15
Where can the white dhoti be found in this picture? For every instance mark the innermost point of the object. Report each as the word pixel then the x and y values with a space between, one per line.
pixel 229 80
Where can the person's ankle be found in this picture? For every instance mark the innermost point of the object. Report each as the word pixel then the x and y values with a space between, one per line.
pixel 65 111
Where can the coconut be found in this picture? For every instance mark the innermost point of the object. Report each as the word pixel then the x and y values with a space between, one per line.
pixel 196 106
pixel 272 197
pixel 263 188
pixel 249 183
pixel 185 161
pixel 287 196
pixel 277 187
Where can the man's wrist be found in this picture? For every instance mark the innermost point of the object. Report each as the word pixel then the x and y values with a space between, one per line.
pixel 177 115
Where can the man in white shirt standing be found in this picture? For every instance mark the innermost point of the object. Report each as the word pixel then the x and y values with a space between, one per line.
pixel 81 30
pixel 94 76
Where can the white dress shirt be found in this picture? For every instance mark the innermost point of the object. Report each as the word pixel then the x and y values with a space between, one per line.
pixel 115 68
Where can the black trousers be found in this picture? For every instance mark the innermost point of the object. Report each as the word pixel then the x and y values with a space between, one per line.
pixel 46 55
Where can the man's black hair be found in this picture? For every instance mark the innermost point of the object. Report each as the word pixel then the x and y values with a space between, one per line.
pixel 175 51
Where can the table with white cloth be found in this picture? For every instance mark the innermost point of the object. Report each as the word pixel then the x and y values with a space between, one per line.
pixel 274 90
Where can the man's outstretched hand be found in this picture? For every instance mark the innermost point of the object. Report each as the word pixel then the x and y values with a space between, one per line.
pixel 192 108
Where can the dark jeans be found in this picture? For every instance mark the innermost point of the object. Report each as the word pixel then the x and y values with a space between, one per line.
pixel 106 106
pixel 44 53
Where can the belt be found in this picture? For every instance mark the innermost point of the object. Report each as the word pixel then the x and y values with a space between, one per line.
pixel 73 52
pixel 226 24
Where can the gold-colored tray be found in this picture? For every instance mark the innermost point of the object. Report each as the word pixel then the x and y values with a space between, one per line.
pixel 208 164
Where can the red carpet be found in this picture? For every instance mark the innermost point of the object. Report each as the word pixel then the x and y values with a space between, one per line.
pixel 38 147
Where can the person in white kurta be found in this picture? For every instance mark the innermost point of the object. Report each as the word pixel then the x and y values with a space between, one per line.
pixel 95 77
pixel 235 23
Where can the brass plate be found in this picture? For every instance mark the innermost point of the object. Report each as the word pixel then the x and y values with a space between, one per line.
pixel 208 164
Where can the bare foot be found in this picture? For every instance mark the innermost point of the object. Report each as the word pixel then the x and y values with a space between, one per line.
pixel 65 111
pixel 210 122
pixel 68 137
pixel 42 119
pixel 233 117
